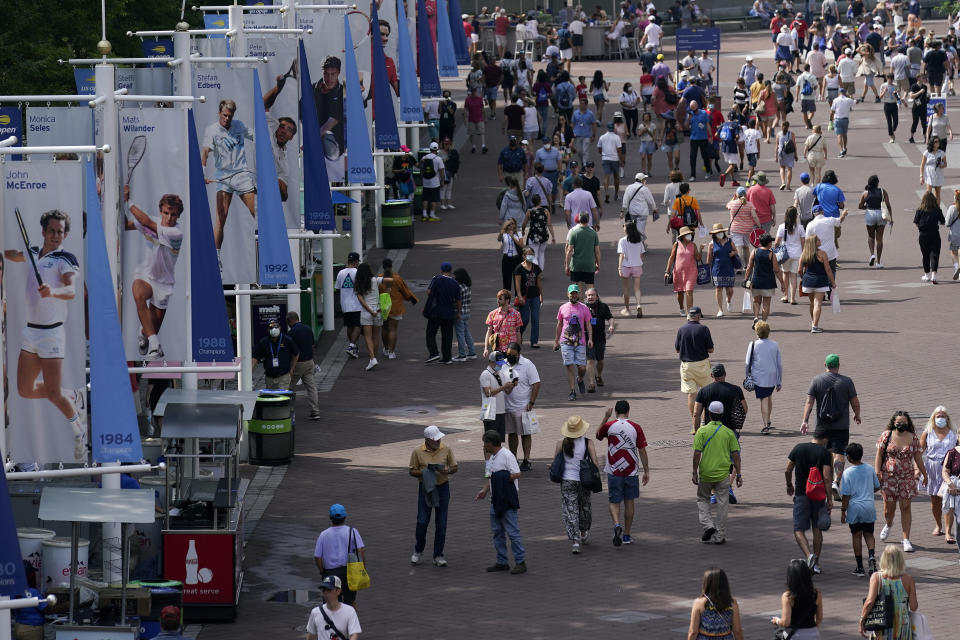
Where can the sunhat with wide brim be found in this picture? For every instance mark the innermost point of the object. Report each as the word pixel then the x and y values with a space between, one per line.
pixel 718 228
pixel 684 230
pixel 574 427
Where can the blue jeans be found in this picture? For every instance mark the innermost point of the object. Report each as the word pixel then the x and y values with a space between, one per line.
pixel 464 339
pixel 423 519
pixel 530 313
pixel 543 111
pixel 506 525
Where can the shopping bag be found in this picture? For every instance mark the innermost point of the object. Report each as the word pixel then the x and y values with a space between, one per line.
pixel 701 232
pixel 747 302
pixel 835 301
pixel 921 628
pixel 386 303
pixel 488 410
pixel 357 576
pixel 529 423
pixel 703 273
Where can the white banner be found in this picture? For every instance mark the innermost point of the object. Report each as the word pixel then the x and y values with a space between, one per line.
pixel 229 158
pixel 46 345
pixel 52 126
pixel 155 204
pixel 281 98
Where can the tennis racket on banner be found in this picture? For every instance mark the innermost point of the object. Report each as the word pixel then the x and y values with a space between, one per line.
pixel 135 154
pixel 228 179
pixel 359 26
pixel 26 243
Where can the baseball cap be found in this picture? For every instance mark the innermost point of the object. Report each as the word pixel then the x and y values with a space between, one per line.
pixel 338 511
pixel 566 24
pixel 446 266
pixel 331 582
pixel 640 177
pixel 404 148
pixel 749 58
pixel 434 146
pixel 715 407
pixel 513 138
pixel 610 126
pixel 694 311
pixel 804 177
pixel 573 288
pixel 496 356
pixel 718 370
pixel 832 360
pixel 353 256
pixel 524 141
pixel 170 613
pixel 589 163
pixel 572 163
pixel 816 209
pixel 659 56
pixel 842 90
pixel 433 432
pixel 741 191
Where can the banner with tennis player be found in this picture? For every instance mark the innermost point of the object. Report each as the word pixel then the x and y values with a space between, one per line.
pixel 46 342
pixel 225 125
pixel 154 206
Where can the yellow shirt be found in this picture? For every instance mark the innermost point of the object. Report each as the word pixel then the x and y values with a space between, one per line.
pixel 442 455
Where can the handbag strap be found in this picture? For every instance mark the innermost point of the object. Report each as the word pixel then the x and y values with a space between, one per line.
pixel 353 539
pixel 750 362
pixel 711 437
pixel 737 212
pixel 332 626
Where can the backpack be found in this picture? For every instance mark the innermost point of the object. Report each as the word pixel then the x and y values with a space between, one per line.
pixel 816 491
pixel 789 146
pixel 564 37
pixel 829 408
pixel 564 101
pixel 427 170
pixel 500 198
pixel 689 215
pixel 543 96
pixel 726 133
pixel 807 88
pixel 671 97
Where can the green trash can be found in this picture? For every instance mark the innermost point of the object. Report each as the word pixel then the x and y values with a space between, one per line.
pixel 397 222
pixel 417 178
pixel 272 428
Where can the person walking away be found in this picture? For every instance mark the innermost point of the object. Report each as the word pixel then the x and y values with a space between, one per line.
pixel 474 116
pixel 826 224
pixel 441 309
pixel 399 294
pixel 932 163
pixel 349 304
pixel 582 253
pixel 305 369
pixel 720 256
pixel 333 545
pixel 600 313
pixel 626 449
pixel 433 175
pixel 694 345
pixel 763 363
pixel 433 463
pixel 786 155
pixel 791 234
pixel 840 117
pixel 529 287
pixel 612 158
pixel 893 579
pixel 803 200
pixel 574 334
pixel 763 274
pixel 715 613
pixel 333 619
pixel 873 200
pixel 451 165
pixel 764 201
pixel 368 292
pixel 801 605
pixel 503 475
pixel 816 278
pixel 898 452
pixel 279 354
pixel 575 507
pixel 857 486
pixel 928 219
pixel 630 250
pixel 815 151
pixel 711 472
pixel 809 463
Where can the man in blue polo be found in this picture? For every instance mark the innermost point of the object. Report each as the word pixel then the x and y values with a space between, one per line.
pixel 584 130
pixel 701 138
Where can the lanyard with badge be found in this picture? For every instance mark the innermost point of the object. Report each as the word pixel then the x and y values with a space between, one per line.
pixel 275 356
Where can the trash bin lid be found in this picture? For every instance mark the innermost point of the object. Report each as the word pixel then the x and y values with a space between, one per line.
pixel 273 399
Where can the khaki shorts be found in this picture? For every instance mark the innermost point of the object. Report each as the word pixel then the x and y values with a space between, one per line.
pixel 513 422
pixel 790 265
pixel 694 375
pixel 475 128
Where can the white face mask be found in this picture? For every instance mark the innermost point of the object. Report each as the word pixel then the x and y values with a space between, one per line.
pixel 940 422
pixel 547 146
pixel 721 236
pixel 688 237
pixel 275 332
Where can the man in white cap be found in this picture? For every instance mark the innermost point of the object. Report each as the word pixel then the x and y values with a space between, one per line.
pixel 432 171
pixel 711 472
pixel 847 68
pixel 333 619
pixel 638 203
pixel 433 463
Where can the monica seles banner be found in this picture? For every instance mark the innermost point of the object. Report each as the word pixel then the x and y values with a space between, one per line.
pixel 155 206
pixel 42 206
pixel 52 126
pixel 225 126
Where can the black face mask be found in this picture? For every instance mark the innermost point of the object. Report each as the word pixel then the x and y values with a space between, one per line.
pixel 513 359
pixel 901 427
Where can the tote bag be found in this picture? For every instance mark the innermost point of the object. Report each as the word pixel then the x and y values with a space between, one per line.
pixel 357 576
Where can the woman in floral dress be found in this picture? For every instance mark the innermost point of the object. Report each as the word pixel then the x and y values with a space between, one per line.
pixel 898 455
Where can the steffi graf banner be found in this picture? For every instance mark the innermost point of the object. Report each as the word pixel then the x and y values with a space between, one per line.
pixel 46 338
pixel 154 207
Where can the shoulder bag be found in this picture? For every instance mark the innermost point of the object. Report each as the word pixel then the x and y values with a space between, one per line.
pixel 357 576
pixel 493 342
pixel 748 383
pixel 589 473
pixel 783 633
pixel 737 415
pixel 703 272
pixel 332 626
pixel 780 251
pixel 880 616
pixel 556 467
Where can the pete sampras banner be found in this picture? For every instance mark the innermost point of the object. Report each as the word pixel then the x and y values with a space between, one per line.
pixel 46 345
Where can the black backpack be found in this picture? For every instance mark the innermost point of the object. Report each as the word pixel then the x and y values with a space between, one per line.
pixel 427 170
pixel 829 407
pixel 689 215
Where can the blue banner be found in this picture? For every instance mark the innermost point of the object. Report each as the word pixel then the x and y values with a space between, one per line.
pixel 427 63
pixel 208 312
pixel 158 49
pixel 113 429
pixel 446 55
pixel 359 156
pixel 86 80
pixel 317 202
pixel 276 265
pixel 411 110
pixel 216 21
pixel 387 136
pixel 460 44
pixel 13 579
pixel 11 124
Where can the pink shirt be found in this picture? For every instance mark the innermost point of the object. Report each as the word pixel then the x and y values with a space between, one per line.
pixel 474 107
pixel 762 199
pixel 576 319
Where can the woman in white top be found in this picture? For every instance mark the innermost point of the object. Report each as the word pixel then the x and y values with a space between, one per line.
pixel 511 244
pixel 932 164
pixel 630 252
pixel 953 232
pixel 672 190
pixel 791 233
pixel 763 363
pixel 367 288
pixel 575 498
pixel 649 136
pixel 629 101
pixel 524 75
pixel 531 120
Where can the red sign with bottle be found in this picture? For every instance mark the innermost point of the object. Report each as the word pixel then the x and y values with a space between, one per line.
pixel 204 563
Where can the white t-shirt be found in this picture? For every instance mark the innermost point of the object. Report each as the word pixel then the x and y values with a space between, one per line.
pixel 817 62
pixel 503 460
pixel 53 266
pixel 822 227
pixel 690 64
pixel 431 109
pixel 159 257
pixel 847 68
pixel 527 376
pixel 653 33
pixel 571 468
pixel 609 145
pixel 751 140
pixel 530 122
pixel 841 106
pixel 487 379
pixel 706 66
pixel 229 154
pixel 632 252
pixel 533 28
pixel 348 297
pixel 372 297
pixel 344 618
pixel 638 200
pixel 622 437
pixel 576 27
pixel 434 182
pixel 794 241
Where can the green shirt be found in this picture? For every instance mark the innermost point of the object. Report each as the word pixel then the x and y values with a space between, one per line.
pixel 583 240
pixel 715 455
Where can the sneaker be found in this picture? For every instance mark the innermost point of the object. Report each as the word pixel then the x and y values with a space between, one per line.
pixel 625 312
pixel 450 206
pixel 391 355
pixel 879 265
pixel 431 358
pixel 584 536
pixel 520 567
pixel 316 416
pixel 933 278
pixel 450 361
pixel 816 330
pixel 735 183
pixel 156 352
pixel 811 560
pixel 885 532
pixel 617 535
pixel 912 140
pixel 352 351
pixel 415 558
pixel 925 278
pixel 484 149
pixel 433 217
pixel 707 534
pixel 525 465
pixel 859 572
pixel 472 356
pixel 907 546
pixel 718 539
pixel 836 491
pixel 142 342
pixel 627 539
pixel 872 565
pixel 720 313
pixel 733 498
pixel 439 561
pixel 599 381
pixel 639 311
pixel 443 207
pixel 817 570
pixel 498 567
pixel 581 385
pixel 370 365
pixel 572 396
pixel 460 358
pixel 956 273
pixel 873 260
pixel 692 179
pixel 576 548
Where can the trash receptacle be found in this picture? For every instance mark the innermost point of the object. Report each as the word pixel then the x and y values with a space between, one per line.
pixel 272 428
pixel 397 222
pixel 417 178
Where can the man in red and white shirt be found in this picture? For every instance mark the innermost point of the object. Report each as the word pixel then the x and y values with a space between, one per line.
pixel 626 448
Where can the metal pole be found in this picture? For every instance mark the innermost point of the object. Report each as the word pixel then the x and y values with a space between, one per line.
pixel 239 44
pixel 356 221
pixel 124 569
pixel 328 281
pixel 74 540
pixel 378 200
pixel 244 348
pixel 5 628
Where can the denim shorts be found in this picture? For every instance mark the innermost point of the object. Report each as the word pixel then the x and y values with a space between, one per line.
pixel 840 126
pixel 752 159
pixel 873 218
pixel 622 488
pixel 574 354
pixel 490 93
pixel 807 513
pixel 648 147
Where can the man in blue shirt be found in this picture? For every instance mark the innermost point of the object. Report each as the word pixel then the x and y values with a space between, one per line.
pixel 511 161
pixel 549 157
pixel 829 195
pixel 584 130
pixel 441 309
pixel 701 138
pixel 302 336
